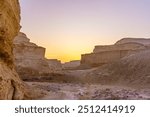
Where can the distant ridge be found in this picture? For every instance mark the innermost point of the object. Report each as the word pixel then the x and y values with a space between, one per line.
pixel 144 41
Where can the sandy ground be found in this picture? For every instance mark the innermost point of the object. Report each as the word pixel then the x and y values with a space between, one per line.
pixel 70 91
pixel 112 81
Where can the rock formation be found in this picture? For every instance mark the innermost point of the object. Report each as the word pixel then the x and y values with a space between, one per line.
pixel 143 41
pixel 110 53
pixel 54 65
pixel 120 47
pixel 130 71
pixel 11 87
pixel 30 59
pixel 24 49
pixel 71 65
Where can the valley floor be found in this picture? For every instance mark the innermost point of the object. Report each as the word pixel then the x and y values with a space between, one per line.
pixel 72 91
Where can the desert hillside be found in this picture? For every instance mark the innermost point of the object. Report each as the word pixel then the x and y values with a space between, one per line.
pixel 132 70
pixel 124 78
pixel 117 71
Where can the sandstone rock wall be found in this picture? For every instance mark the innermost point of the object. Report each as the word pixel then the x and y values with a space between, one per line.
pixel 29 58
pixel 134 40
pixel 71 64
pixel 11 87
pixel 9 27
pixel 97 59
pixel 130 71
pixel 24 49
pixel 110 53
pixel 124 46
pixel 54 64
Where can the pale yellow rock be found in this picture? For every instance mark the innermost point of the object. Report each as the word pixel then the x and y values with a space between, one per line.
pixel 30 59
pixel 24 49
pixel 9 27
pixel 143 41
pixel 104 54
pixel 54 65
pixel 71 65
pixel 124 46
pixel 11 87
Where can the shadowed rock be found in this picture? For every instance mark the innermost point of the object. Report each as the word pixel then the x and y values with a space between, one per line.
pixel 11 87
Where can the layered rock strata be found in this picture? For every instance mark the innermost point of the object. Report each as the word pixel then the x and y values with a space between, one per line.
pixel 110 53
pixel 54 65
pixel 143 41
pixel 71 65
pixel 130 71
pixel 24 49
pixel 121 47
pixel 29 58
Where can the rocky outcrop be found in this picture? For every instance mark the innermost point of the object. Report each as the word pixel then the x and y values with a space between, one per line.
pixel 71 65
pixel 11 87
pixel 110 53
pixel 98 59
pixel 143 41
pixel 131 71
pixel 120 47
pixel 24 49
pixel 29 58
pixel 9 27
pixel 54 65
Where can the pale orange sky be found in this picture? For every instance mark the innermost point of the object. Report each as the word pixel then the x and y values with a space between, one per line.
pixel 69 28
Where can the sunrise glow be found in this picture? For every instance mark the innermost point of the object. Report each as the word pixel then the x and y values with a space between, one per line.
pixel 69 28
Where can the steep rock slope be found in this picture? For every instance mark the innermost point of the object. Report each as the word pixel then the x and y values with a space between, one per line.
pixel 29 58
pixel 11 87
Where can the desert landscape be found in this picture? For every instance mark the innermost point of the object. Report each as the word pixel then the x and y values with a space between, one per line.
pixel 120 71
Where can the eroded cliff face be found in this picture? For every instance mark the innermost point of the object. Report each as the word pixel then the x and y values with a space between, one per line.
pixel 11 87
pixel 24 49
pixel 54 65
pixel 29 58
pixel 120 47
pixel 143 41
pixel 9 27
pixel 111 53
pixel 71 65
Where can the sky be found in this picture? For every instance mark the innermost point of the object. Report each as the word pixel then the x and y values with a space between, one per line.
pixel 69 28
